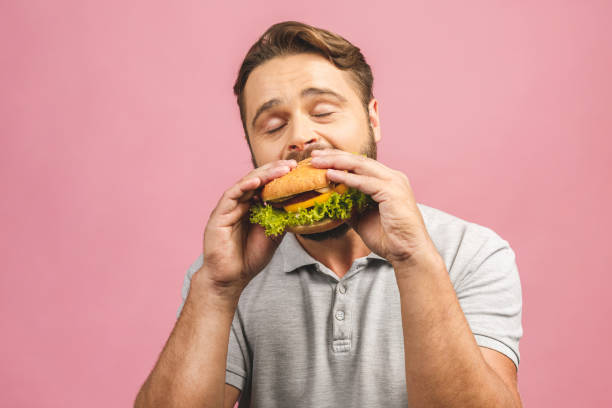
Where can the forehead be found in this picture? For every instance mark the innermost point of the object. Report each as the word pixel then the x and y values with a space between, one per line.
pixel 285 77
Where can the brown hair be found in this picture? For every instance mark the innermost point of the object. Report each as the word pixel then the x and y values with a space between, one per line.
pixel 293 37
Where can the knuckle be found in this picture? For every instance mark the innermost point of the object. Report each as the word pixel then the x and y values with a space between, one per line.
pixel 401 175
pixel 227 192
pixel 361 159
pixel 280 163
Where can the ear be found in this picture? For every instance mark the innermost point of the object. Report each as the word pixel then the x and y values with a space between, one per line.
pixel 374 119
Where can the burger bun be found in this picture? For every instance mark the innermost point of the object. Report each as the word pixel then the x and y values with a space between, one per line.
pixel 325 224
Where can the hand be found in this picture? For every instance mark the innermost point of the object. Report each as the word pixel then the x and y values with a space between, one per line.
pixel 234 249
pixel 395 230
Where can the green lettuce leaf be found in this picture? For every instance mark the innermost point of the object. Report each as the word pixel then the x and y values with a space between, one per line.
pixel 337 206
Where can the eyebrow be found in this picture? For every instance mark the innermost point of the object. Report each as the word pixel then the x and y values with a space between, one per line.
pixel 304 94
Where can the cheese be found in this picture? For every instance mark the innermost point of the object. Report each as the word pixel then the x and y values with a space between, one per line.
pixel 308 203
pixel 340 189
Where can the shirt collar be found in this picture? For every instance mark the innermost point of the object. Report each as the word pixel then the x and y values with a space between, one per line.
pixel 294 256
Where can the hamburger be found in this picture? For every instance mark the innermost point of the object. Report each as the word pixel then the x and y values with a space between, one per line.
pixel 304 201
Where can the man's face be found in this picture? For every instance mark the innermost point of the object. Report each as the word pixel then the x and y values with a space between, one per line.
pixel 297 103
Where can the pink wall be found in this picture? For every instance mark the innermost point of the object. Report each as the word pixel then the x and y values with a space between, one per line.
pixel 117 117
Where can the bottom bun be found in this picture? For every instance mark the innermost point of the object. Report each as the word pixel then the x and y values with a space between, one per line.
pixel 319 226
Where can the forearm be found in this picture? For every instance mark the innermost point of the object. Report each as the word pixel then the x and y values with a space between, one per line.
pixel 444 365
pixel 191 368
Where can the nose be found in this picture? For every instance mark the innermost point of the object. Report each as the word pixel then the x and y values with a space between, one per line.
pixel 298 146
pixel 301 137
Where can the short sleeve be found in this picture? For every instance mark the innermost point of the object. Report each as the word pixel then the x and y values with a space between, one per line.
pixel 491 298
pixel 238 361
pixel 197 264
pixel 236 372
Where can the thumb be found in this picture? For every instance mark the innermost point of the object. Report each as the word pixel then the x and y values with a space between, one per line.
pixel 355 219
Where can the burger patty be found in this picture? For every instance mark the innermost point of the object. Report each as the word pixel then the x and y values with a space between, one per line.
pixel 295 199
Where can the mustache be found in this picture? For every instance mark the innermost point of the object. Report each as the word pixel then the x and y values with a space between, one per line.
pixel 306 153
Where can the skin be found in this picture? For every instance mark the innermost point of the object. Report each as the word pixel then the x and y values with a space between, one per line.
pixel 446 367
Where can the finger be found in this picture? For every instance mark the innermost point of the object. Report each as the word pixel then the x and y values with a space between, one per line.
pixel 232 196
pixel 366 220
pixel 323 152
pixel 264 174
pixel 267 175
pixel 276 163
pixel 235 215
pixel 268 171
pixel 367 184
pixel 358 164
pixel 245 188
pixel 259 239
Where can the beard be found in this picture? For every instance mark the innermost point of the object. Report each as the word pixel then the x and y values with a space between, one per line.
pixel 369 149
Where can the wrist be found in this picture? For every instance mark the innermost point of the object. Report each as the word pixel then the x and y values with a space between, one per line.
pixel 217 295
pixel 427 261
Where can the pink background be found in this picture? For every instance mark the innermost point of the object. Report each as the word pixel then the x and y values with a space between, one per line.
pixel 120 131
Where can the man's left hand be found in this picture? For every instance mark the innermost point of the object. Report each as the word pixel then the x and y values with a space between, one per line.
pixel 396 230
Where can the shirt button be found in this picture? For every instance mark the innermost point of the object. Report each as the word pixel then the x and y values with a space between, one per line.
pixel 340 315
pixel 341 289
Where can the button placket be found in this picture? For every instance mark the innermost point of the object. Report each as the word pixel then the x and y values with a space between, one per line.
pixel 341 320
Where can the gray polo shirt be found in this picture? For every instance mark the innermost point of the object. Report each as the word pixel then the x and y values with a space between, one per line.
pixel 302 337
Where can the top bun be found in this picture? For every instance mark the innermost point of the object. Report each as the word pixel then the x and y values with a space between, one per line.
pixel 299 180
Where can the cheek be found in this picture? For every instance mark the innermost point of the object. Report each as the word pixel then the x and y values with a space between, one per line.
pixel 346 135
pixel 266 152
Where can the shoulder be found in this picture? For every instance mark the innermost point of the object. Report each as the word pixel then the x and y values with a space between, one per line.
pixel 449 229
pixel 461 243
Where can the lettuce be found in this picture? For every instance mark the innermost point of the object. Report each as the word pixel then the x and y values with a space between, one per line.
pixel 337 206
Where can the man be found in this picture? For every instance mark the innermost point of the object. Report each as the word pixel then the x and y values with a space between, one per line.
pixel 403 306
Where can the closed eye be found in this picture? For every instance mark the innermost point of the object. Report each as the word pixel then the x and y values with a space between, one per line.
pixel 274 130
pixel 320 115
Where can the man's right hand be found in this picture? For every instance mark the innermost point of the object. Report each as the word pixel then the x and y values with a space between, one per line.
pixel 234 252
pixel 234 249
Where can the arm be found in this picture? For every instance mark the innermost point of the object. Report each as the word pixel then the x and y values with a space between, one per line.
pixel 191 368
pixel 503 367
pixel 444 365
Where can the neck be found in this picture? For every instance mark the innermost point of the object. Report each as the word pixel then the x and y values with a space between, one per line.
pixel 337 254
